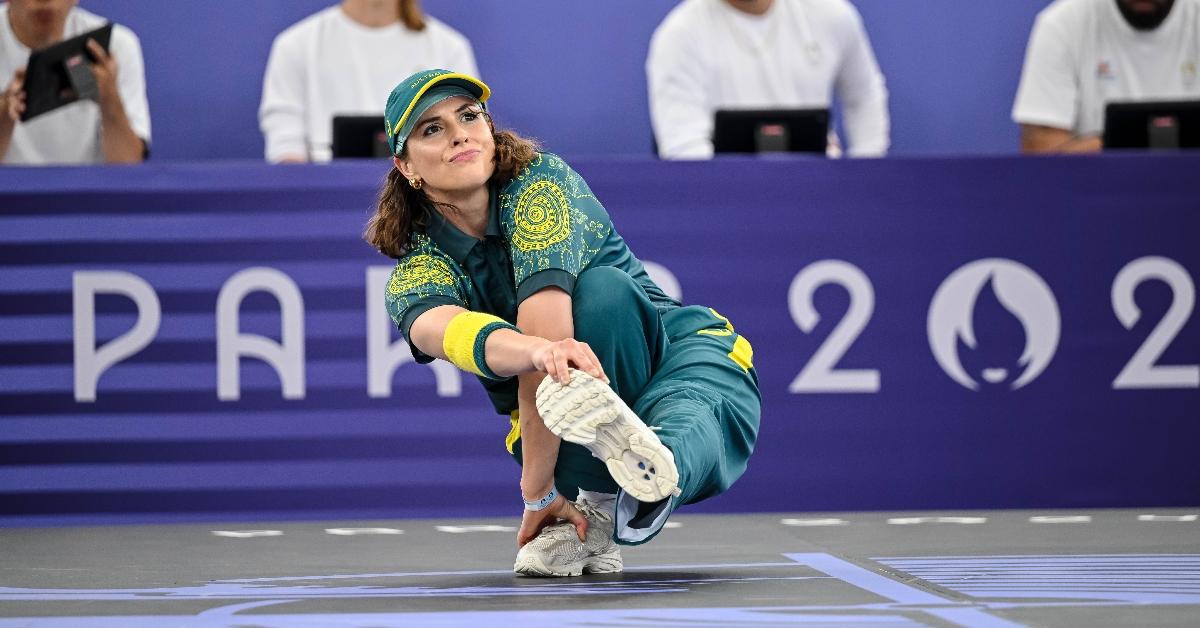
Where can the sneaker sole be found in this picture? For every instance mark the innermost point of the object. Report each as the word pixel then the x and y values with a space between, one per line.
pixel 531 565
pixel 587 412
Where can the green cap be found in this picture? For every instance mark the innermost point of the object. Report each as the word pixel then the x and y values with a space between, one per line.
pixel 417 93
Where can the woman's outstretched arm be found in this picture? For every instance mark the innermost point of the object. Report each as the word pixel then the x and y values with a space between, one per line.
pixel 509 352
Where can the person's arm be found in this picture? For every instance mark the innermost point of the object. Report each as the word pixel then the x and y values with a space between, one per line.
pixel 464 58
pixel 1044 139
pixel 12 105
pixel 281 111
pixel 118 141
pixel 547 314
pixel 546 265
pixel 545 346
pixel 861 89
pixel 1047 100
pixel 677 87
pixel 508 352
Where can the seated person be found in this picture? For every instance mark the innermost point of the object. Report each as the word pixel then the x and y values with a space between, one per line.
pixel 1084 54
pixel 113 129
pixel 336 61
pixel 762 54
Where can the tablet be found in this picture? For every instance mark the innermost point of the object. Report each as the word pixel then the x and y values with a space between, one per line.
pixel 771 130
pixel 360 137
pixel 1153 125
pixel 61 74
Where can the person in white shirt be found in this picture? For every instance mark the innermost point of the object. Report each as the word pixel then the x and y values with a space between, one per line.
pixel 342 61
pixel 1085 54
pixel 762 54
pixel 115 128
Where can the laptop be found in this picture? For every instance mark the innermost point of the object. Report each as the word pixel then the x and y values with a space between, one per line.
pixel 359 137
pixel 771 131
pixel 61 74
pixel 1153 125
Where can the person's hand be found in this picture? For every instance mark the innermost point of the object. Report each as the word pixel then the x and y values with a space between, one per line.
pixel 555 358
pixel 13 99
pixel 105 70
pixel 534 521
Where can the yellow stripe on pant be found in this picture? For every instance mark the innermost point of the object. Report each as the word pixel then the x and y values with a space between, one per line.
pixel 514 432
pixel 743 353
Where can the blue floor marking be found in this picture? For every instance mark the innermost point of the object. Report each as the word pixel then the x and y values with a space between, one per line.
pixel 923 601
pixel 1128 578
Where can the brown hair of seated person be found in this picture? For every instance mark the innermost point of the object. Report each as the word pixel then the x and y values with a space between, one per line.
pixel 411 14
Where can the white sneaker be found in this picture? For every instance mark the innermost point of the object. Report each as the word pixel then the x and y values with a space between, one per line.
pixel 589 413
pixel 557 551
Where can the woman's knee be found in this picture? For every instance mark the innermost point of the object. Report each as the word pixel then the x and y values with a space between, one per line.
pixel 604 295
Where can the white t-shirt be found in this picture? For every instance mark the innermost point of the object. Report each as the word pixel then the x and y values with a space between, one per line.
pixel 706 56
pixel 327 64
pixel 1083 55
pixel 71 134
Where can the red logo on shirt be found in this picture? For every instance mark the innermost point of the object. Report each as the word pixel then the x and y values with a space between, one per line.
pixel 1104 71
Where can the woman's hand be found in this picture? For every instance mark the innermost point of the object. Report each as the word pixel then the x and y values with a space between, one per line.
pixel 554 358
pixel 533 521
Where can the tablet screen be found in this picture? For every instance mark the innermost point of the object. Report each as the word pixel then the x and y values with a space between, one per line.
pixel 58 74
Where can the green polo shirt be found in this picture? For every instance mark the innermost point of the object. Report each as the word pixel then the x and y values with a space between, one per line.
pixel 544 228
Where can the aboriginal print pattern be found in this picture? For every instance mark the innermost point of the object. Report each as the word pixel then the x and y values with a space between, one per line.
pixel 542 217
pixel 418 270
pixel 423 273
pixel 552 219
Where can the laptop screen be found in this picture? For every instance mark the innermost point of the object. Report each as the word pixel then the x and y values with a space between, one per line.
pixel 771 130
pixel 1155 125
pixel 359 136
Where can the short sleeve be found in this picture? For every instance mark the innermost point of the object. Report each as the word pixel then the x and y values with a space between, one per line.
pixel 282 108
pixel 1049 92
pixel 421 282
pixel 679 86
pixel 464 57
pixel 861 88
pixel 554 225
pixel 131 81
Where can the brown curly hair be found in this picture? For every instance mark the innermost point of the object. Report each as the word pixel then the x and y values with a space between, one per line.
pixel 403 211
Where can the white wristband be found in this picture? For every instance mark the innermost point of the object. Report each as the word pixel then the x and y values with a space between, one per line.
pixel 542 503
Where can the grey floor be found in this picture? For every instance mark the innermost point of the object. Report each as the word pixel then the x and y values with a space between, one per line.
pixel 996 568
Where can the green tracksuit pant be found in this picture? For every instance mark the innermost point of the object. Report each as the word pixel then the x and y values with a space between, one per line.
pixel 684 372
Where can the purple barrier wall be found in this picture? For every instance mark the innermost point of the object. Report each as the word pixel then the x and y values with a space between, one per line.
pixel 930 333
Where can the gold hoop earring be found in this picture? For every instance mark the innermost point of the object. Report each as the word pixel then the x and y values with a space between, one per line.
pixel 416 183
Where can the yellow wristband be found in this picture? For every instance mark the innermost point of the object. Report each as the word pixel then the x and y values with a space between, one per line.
pixel 466 338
